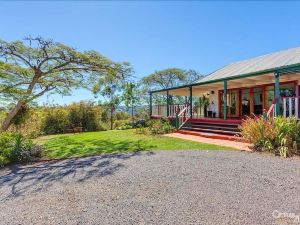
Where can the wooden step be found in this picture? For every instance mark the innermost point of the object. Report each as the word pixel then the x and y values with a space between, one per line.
pixel 209 126
pixel 217 120
pixel 215 124
pixel 212 130
pixel 212 135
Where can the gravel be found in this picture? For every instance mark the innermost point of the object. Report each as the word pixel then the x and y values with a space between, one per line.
pixel 160 187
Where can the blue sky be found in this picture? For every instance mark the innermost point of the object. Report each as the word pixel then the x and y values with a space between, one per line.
pixel 155 35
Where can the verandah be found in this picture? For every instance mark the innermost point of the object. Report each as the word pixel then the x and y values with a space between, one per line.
pixel 277 91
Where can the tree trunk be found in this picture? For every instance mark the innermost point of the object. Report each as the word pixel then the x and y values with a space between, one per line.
pixel 7 121
pixel 111 118
pixel 132 120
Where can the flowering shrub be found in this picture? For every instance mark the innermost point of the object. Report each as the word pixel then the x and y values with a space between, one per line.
pixel 160 127
pixel 279 135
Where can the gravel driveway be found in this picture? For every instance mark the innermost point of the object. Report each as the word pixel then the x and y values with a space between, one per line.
pixel 161 187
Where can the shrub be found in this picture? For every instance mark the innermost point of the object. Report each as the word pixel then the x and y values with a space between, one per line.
pixel 123 125
pixel 278 135
pixel 167 127
pixel 32 126
pixel 84 115
pixel 161 126
pixel 16 148
pixel 259 132
pixel 142 130
pixel 6 147
pixel 140 123
pixel 56 120
pixel 122 116
pixel 120 123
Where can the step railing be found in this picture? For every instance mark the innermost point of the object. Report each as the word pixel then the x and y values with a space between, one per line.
pixel 290 106
pixel 173 109
pixel 271 112
pixel 182 117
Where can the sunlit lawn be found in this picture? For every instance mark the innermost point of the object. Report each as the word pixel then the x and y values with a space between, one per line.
pixel 93 143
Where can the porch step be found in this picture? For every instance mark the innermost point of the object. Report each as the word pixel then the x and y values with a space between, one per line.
pixel 212 135
pixel 225 128
pixel 210 130
pixel 215 126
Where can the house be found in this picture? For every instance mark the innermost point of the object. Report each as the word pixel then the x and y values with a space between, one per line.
pixel 266 84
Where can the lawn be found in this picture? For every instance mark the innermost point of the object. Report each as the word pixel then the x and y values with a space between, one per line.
pixel 93 143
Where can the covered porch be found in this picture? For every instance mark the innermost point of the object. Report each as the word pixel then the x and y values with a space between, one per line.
pixel 231 99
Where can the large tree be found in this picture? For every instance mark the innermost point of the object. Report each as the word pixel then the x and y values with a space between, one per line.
pixel 132 97
pixel 110 88
pixel 36 66
pixel 168 78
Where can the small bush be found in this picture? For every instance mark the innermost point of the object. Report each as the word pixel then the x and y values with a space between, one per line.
pixel 142 130
pixel 140 123
pixel 56 120
pixel 122 116
pixel 160 127
pixel 279 135
pixel 17 148
pixel 32 127
pixel 259 132
pixel 123 125
pixel 119 124
pixel 85 115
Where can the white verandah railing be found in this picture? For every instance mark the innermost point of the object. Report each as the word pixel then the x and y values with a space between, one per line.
pixel 161 110
pixel 181 113
pixel 290 106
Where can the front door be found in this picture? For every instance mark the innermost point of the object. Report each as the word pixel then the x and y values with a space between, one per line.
pixel 245 102
pixel 258 101
pixel 232 103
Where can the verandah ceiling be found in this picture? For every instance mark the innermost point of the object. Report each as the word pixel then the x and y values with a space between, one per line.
pixel 238 83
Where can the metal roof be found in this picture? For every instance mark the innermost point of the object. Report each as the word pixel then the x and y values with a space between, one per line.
pixel 261 63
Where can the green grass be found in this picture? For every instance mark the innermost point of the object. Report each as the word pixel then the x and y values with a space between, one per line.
pixel 93 143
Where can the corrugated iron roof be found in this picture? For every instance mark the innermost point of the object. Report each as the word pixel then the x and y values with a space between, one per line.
pixel 257 64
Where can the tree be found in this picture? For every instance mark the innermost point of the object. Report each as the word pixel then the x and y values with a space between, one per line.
pixel 202 102
pixel 166 78
pixel 131 97
pixel 169 78
pixel 35 66
pixel 109 88
pixel 193 76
